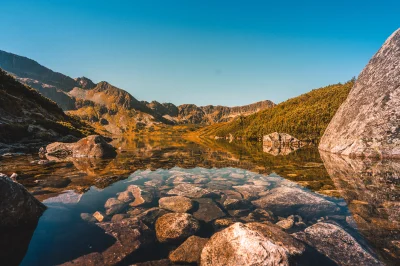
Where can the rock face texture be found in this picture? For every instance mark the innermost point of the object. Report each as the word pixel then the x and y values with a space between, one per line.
pixel 287 200
pixel 17 206
pixel 336 244
pixel 92 146
pixel 189 251
pixel 239 245
pixel 176 227
pixel 176 204
pixel 367 123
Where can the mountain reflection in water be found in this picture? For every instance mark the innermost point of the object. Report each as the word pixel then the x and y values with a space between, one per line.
pixel 370 189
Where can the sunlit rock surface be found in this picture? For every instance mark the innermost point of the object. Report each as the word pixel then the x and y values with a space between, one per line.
pixel 367 123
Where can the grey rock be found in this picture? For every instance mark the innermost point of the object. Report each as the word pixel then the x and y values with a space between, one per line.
pixel 239 245
pixel 367 123
pixel 278 237
pixel 234 204
pixel 207 210
pixel 336 244
pixel 283 200
pixel 17 206
pixel 250 192
pixel 191 191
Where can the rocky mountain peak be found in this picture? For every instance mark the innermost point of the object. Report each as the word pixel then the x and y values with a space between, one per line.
pixel 85 83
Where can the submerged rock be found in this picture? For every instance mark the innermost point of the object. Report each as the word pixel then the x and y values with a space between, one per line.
pixel 176 204
pixel 235 204
pixel 250 192
pixel 286 223
pixel 17 206
pixel 283 200
pixel 114 206
pixel 367 123
pixel 92 146
pixel 150 216
pixel 130 234
pixel 126 196
pixel 189 251
pixel 336 244
pixel 239 245
pixel 191 191
pixel 260 215
pixel 141 196
pixel 207 210
pixel 176 227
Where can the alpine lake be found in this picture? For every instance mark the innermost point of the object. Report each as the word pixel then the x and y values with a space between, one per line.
pixel 226 182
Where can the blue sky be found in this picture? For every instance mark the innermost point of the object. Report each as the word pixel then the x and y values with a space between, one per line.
pixel 202 52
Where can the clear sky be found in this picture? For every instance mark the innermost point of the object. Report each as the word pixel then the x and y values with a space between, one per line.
pixel 202 52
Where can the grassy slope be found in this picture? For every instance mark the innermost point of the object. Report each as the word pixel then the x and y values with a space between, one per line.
pixel 304 117
pixel 25 106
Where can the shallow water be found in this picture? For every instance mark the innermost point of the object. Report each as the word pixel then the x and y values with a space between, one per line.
pixel 360 196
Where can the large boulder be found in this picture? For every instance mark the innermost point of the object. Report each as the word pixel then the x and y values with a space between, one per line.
pixel 94 146
pixel 336 244
pixel 367 123
pixel 288 200
pixel 239 245
pixel 17 206
pixel 176 227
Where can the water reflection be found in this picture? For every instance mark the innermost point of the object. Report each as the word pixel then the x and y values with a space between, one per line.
pixel 371 189
pixel 372 192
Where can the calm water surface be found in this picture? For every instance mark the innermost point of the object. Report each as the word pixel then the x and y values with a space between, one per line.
pixel 365 194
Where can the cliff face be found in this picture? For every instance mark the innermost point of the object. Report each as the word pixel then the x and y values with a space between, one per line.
pixel 367 123
pixel 25 115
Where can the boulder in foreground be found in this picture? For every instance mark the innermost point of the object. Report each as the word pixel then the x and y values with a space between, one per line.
pixel 93 146
pixel 367 123
pixel 239 245
pixel 17 206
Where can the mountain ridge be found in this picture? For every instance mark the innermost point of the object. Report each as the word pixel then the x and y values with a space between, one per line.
pixel 89 101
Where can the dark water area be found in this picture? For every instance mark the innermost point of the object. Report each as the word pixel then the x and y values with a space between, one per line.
pixel 360 196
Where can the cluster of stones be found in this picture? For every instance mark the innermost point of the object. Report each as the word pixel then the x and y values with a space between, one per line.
pixel 221 217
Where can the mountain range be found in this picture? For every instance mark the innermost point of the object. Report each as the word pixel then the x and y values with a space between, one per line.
pixel 110 109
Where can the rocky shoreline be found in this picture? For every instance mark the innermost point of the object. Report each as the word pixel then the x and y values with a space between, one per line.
pixel 222 217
